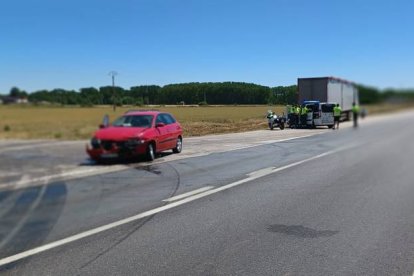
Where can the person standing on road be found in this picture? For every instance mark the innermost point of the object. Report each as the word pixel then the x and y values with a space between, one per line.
pixel 297 115
pixel 293 116
pixel 337 115
pixel 355 113
pixel 304 115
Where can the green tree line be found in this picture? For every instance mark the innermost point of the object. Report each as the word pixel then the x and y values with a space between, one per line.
pixel 371 95
pixel 194 93
pixel 187 93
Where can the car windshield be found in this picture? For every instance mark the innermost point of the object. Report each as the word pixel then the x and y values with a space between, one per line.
pixel 327 108
pixel 133 121
pixel 313 107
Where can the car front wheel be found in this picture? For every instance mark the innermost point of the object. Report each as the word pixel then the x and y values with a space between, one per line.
pixel 150 155
pixel 178 145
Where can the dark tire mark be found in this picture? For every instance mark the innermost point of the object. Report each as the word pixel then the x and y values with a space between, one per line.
pixel 38 226
pixel 300 231
pixel 142 222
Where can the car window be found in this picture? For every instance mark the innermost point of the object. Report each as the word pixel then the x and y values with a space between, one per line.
pixel 313 107
pixel 170 119
pixel 133 121
pixel 161 119
pixel 167 119
pixel 327 107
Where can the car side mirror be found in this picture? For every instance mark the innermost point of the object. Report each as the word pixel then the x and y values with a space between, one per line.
pixel 160 125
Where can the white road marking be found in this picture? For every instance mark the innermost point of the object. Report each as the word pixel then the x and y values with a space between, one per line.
pixel 8 203
pixel 174 198
pixel 291 138
pixel 9 237
pixel 261 172
pixel 103 228
pixel 38 144
pixel 65 176
pixel 259 143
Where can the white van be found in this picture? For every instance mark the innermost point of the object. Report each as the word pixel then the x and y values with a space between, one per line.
pixel 320 114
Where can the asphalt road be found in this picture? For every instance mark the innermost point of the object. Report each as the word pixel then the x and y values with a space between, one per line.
pixel 339 203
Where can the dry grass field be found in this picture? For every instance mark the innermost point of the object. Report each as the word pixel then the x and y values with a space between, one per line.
pixel 38 122
pixel 68 123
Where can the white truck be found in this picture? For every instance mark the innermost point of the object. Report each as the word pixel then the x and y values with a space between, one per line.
pixel 329 90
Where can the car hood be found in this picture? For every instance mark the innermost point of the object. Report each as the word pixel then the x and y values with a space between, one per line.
pixel 119 133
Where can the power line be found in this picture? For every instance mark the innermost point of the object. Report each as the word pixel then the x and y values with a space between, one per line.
pixel 113 74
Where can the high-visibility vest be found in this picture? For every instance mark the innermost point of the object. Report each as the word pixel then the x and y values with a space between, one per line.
pixel 355 109
pixel 337 111
pixel 304 110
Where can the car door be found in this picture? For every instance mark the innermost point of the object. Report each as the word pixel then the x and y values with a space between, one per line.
pixel 161 128
pixel 174 130
pixel 327 114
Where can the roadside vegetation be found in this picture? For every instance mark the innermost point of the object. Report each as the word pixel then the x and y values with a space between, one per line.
pixel 202 108
pixel 67 123
pixel 207 93
pixel 55 122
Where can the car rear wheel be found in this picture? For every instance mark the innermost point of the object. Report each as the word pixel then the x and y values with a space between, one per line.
pixel 150 155
pixel 179 145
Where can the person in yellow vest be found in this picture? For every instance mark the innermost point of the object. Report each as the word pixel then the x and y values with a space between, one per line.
pixel 296 112
pixel 292 109
pixel 303 115
pixel 337 115
pixel 355 113
pixel 294 118
pixel 291 114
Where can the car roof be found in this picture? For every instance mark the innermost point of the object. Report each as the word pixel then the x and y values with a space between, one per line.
pixel 142 112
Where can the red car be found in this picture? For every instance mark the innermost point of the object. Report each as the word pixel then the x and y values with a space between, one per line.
pixel 137 133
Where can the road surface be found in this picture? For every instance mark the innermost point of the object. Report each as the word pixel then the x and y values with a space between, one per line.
pixel 333 203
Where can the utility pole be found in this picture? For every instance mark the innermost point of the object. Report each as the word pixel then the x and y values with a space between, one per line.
pixel 113 74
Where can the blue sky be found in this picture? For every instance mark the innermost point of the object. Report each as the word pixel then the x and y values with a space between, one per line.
pixel 48 44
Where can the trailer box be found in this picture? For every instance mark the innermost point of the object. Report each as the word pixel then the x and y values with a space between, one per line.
pixel 328 89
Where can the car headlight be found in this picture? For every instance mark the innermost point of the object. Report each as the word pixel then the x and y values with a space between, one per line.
pixel 95 142
pixel 135 142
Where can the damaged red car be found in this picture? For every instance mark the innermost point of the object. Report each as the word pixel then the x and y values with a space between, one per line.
pixel 144 133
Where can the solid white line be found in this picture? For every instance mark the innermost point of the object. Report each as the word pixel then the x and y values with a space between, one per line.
pixel 260 143
pixel 38 145
pixel 100 229
pixel 174 198
pixel 261 172
pixel 292 138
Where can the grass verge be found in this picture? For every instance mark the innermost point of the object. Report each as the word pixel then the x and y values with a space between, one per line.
pixel 71 123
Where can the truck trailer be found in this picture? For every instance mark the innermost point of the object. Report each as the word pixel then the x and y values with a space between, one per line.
pixel 329 90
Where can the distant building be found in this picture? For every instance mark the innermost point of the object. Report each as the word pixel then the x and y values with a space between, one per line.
pixel 22 101
pixel 13 100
